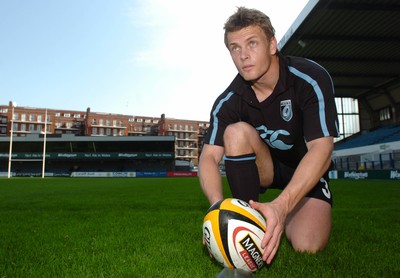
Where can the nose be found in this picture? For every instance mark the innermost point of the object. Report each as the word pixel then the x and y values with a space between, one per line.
pixel 244 54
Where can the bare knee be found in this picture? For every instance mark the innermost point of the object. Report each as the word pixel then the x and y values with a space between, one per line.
pixel 237 138
pixel 241 138
pixel 308 227
pixel 309 245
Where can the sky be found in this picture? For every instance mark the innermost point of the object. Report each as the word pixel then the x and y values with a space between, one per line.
pixel 131 57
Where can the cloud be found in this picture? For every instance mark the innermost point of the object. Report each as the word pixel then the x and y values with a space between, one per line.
pixel 184 41
pixel 193 33
pixel 178 38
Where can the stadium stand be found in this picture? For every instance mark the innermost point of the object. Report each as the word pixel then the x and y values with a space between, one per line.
pixel 378 149
pixel 389 133
pixel 67 154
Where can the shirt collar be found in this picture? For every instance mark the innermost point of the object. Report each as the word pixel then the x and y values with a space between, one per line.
pixel 243 88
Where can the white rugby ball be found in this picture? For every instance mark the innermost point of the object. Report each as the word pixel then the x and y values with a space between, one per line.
pixel 233 231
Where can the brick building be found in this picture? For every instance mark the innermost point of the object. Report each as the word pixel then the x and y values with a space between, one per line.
pixel 189 135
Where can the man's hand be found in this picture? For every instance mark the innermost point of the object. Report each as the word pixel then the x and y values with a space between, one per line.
pixel 205 247
pixel 275 216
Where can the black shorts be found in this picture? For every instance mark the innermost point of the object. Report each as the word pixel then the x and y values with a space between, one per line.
pixel 283 174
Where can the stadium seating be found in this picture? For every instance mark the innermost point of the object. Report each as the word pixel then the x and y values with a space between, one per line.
pixel 385 134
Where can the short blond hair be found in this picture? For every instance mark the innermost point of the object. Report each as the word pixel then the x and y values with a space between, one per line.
pixel 245 17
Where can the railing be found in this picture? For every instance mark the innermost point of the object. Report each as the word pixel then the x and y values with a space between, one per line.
pixel 387 161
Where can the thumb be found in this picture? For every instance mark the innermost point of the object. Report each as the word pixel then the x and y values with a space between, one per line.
pixel 254 204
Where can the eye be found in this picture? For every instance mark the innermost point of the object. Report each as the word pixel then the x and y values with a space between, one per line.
pixel 235 48
pixel 253 43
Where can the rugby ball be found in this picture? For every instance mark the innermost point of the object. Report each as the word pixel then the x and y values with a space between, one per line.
pixel 232 232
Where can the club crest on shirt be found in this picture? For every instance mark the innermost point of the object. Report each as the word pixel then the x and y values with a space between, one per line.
pixel 286 110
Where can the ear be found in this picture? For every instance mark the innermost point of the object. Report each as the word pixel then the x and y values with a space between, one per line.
pixel 273 46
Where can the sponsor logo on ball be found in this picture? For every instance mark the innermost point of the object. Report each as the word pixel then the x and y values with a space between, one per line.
pixel 250 253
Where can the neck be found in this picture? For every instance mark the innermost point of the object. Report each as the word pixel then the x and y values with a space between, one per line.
pixel 265 85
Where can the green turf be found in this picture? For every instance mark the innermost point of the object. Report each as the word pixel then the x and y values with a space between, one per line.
pixel 151 227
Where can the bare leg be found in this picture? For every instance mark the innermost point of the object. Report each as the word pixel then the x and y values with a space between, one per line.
pixel 308 226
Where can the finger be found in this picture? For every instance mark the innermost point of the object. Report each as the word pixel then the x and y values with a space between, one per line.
pixel 206 248
pixel 267 251
pixel 269 233
pixel 271 255
pixel 273 252
pixel 272 246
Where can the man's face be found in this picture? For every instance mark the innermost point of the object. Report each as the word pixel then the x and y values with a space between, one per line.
pixel 251 52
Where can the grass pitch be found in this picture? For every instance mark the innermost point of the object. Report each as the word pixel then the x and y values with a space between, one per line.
pixel 151 227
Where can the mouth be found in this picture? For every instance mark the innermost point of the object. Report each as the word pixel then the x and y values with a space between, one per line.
pixel 247 67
